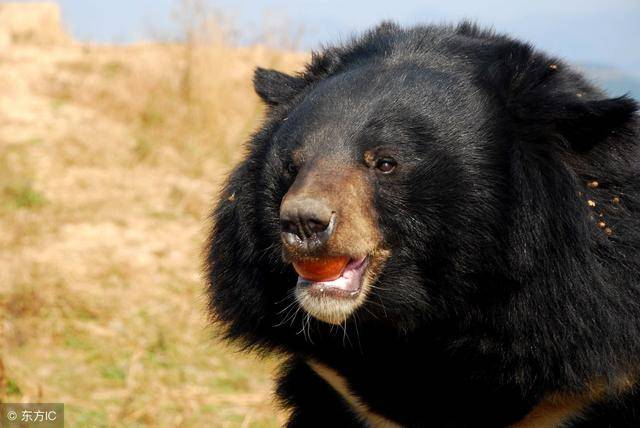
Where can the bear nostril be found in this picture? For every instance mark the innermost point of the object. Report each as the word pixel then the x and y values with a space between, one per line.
pixel 316 226
pixel 288 226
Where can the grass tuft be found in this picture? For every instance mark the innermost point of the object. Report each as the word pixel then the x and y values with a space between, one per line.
pixel 22 195
pixel 13 390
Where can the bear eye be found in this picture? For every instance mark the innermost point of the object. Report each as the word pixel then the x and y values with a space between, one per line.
pixel 386 165
pixel 291 168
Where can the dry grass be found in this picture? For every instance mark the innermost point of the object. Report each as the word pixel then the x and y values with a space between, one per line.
pixel 109 160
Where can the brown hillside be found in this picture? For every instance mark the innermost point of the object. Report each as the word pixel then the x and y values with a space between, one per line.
pixel 109 160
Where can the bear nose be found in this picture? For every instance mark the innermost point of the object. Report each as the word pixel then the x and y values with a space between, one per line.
pixel 306 221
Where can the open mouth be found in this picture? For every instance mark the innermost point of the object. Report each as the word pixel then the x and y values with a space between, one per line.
pixel 336 277
pixel 332 288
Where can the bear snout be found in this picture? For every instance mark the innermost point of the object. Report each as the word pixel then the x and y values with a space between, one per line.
pixel 306 223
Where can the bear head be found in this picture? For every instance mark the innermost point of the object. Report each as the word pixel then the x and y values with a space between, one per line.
pixel 419 175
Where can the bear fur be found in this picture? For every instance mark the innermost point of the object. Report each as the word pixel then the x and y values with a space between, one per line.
pixel 511 293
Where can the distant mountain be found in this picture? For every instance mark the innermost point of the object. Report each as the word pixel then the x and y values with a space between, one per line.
pixel 612 80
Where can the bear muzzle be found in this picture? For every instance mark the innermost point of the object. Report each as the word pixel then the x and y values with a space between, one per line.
pixel 306 224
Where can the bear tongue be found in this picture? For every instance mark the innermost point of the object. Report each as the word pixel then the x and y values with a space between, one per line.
pixel 321 270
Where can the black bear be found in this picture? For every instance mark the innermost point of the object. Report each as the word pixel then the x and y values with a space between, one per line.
pixel 437 226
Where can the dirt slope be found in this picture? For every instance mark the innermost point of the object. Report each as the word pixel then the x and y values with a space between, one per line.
pixel 110 158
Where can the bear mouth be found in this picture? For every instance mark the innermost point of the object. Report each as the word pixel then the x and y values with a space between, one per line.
pixel 334 298
pixel 347 285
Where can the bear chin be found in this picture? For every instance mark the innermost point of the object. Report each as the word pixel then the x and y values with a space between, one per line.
pixel 330 309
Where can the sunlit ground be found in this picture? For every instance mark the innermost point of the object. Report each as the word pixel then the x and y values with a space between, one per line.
pixel 110 158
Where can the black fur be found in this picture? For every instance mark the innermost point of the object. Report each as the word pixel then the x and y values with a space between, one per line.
pixel 500 288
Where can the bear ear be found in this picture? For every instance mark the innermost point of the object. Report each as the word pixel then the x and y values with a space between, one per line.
pixel 275 87
pixel 585 123
pixel 544 98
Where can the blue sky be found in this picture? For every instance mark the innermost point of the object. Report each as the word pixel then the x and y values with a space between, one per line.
pixel 587 31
